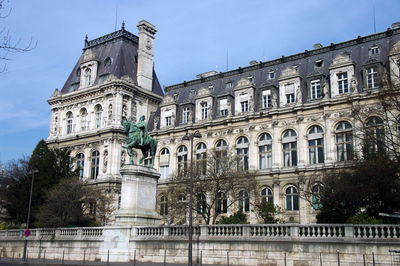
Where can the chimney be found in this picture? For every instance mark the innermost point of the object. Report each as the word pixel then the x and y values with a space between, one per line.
pixel 145 54
pixel 317 46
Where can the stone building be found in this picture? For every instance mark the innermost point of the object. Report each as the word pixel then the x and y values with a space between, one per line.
pixel 288 119
pixel 114 78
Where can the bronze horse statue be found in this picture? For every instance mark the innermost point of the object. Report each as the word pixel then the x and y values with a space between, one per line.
pixel 137 137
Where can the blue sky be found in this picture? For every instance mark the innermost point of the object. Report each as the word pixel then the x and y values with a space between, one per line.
pixel 193 37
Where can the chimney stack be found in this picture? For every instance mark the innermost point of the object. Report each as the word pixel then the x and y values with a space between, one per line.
pixel 145 54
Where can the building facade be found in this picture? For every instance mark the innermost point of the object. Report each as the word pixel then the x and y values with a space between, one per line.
pixel 289 120
pixel 113 79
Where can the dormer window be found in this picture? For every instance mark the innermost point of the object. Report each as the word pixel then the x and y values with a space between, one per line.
pixel 315 87
pixel 244 102
pixel 318 63
pixel 185 115
pixel 271 75
pixel 343 83
pixel 168 118
pixel 87 77
pixel 289 93
pixel 229 85
pixel 223 107
pixel 251 79
pixel 204 110
pixel 374 50
pixel 211 87
pixel 266 99
pixel 78 72
pixel 107 62
pixel 372 77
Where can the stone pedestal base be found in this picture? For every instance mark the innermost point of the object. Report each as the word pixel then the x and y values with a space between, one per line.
pixel 138 196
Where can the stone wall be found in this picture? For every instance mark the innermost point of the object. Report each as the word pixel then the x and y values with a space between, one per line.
pixel 286 244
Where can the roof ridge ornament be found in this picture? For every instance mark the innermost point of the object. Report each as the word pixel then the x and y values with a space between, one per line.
pixel 123 25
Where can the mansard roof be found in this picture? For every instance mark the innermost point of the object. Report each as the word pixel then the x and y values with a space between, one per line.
pixel 357 49
pixel 121 47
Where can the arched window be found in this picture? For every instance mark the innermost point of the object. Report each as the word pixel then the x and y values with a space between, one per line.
pixel 265 151
pixel 266 195
pixel 80 163
pixel 95 165
pixel 344 141
pixel 244 201
pixel 316 145
pixel 221 151
pixel 83 113
pixel 201 203
pixel 70 118
pixel 87 77
pixel 98 115
pixel 316 196
pixel 164 163
pixel 222 203
pixel 163 205
pixel 182 159
pixel 289 143
pixel 292 199
pixel 375 135
pixel 201 159
pixel 242 148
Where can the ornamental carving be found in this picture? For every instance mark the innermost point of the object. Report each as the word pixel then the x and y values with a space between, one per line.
pixel 342 59
pixel 243 83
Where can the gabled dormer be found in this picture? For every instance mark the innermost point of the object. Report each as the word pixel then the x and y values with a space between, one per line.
pixel 342 76
pixel 88 69
pixel 168 111
pixel 204 104
pixel 244 97
pixel 290 87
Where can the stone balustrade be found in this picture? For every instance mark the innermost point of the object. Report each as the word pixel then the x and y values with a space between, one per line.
pixel 323 232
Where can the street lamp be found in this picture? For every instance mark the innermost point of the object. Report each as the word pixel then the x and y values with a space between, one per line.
pixel 33 172
pixel 191 136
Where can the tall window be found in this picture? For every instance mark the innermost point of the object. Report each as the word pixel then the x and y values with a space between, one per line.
pixel 372 77
pixel 229 85
pixel 95 165
pixel 163 205
pixel 88 73
pixel 289 142
pixel 289 93
pixel 266 195
pixel 185 115
pixel 375 134
pixel 164 163
pixel 223 107
pixel 220 152
pixel 292 199
pixel 244 201
pixel 83 119
pixel 344 141
pixel 80 163
pixel 201 159
pixel 69 122
pixel 204 110
pixel 266 99
pixel 242 148
pixel 147 159
pixel 182 159
pixel 244 102
pixel 201 203
pixel 222 203
pixel 315 86
pixel 98 116
pixel 343 83
pixel 265 150
pixel 316 145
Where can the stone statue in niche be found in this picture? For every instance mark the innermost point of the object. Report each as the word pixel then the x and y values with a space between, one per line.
pixel 124 111
pixel 110 111
pixel 353 84
pixel 325 90
pixel 55 125
pixel 105 161
pixel 190 116
pixel 155 121
pixel 251 104
pixel 228 104
pixel 122 158
pixel 133 111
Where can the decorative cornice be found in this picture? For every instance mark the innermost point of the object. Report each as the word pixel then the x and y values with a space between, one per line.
pixel 122 33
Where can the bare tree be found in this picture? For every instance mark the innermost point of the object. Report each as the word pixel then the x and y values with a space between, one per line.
pixel 220 180
pixel 7 44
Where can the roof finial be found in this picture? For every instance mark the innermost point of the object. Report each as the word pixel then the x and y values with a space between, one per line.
pixel 123 25
pixel 86 41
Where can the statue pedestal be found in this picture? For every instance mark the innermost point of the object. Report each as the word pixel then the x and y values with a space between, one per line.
pixel 138 196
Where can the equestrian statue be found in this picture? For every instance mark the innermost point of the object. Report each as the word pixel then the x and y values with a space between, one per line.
pixel 138 137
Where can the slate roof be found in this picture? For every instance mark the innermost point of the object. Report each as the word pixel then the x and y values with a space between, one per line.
pixel 121 46
pixel 357 48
